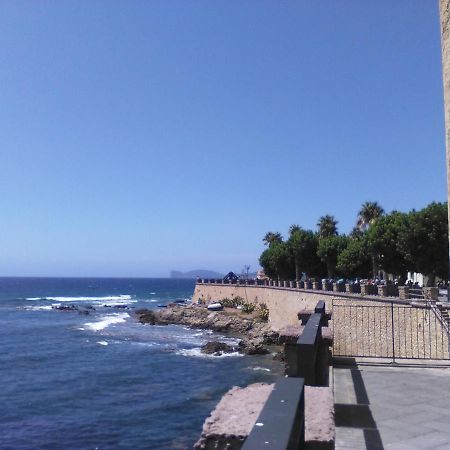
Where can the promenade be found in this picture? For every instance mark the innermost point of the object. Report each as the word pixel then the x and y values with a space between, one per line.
pixel 391 407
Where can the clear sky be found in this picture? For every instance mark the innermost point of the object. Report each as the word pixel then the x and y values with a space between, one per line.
pixel 143 136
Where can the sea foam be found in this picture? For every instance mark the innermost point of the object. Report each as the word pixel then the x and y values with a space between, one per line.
pixel 116 299
pixel 106 321
pixel 197 353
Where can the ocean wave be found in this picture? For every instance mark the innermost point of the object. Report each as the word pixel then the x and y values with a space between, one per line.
pixel 265 369
pixel 106 321
pixel 102 343
pixel 117 299
pixel 197 353
pixel 38 308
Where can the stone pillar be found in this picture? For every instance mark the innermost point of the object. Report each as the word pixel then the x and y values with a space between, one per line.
pixel 444 8
pixel 431 293
pixel 403 292
pixel 382 290
pixel 349 288
pixel 291 284
pixel 365 289
pixel 317 285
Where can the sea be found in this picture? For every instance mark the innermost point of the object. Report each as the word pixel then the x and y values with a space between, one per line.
pixel 92 377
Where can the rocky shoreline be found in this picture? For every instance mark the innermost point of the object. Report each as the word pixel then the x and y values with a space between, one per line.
pixel 255 335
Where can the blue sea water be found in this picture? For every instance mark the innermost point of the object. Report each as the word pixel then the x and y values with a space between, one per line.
pixel 102 380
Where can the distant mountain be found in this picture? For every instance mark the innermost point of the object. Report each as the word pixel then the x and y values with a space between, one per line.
pixel 195 274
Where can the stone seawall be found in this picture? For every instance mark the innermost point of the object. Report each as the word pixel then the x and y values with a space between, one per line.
pixel 283 304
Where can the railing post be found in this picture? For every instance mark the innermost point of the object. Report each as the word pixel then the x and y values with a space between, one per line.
pixel 393 332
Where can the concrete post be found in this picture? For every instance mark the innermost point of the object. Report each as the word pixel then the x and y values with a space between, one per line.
pixel 317 285
pixel 403 292
pixel 365 289
pixel 444 8
pixel 382 290
pixel 349 288
pixel 431 293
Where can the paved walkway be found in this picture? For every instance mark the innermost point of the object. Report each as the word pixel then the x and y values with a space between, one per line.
pixel 392 408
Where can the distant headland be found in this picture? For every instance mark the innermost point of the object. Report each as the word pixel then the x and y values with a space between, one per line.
pixel 199 273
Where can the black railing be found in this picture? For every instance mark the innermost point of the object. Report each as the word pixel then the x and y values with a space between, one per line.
pixel 281 423
pixel 308 357
pixel 389 330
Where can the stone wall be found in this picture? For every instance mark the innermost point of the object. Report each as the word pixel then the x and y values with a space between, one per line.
pixel 283 304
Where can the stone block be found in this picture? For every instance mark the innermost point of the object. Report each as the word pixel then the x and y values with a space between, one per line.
pixel 431 293
pixel 319 418
pixel 403 292
pixel 233 418
pixel 317 285
pixel 382 291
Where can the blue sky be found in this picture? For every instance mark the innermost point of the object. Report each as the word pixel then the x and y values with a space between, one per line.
pixel 143 136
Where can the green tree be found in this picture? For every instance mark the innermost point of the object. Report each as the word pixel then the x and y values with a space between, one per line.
pixel 383 242
pixel 329 249
pixel 277 261
pixel 272 238
pixel 303 248
pixel 327 226
pixel 425 241
pixel 355 260
pixel 369 213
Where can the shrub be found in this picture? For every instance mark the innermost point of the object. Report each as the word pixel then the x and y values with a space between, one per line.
pixel 263 312
pixel 248 308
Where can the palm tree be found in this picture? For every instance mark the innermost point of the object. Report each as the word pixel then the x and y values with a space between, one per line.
pixel 272 238
pixel 367 216
pixel 327 226
pixel 294 228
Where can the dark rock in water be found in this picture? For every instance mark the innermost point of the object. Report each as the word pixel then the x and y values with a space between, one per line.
pixel 250 348
pixel 120 306
pixel 279 356
pixel 216 348
pixel 180 301
pixel 83 311
pixel 162 306
pixel 147 316
pixel 66 307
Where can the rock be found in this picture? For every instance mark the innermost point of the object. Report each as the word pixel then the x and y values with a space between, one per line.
pixel 279 356
pixel 255 334
pixel 216 348
pixel 252 348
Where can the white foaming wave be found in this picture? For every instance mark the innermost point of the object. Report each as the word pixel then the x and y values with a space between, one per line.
pixel 265 369
pixel 197 353
pixel 106 299
pixel 152 293
pixel 153 301
pixel 38 308
pixel 106 321
pixel 102 343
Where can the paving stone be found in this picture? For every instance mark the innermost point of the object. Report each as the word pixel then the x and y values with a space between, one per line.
pixel 410 407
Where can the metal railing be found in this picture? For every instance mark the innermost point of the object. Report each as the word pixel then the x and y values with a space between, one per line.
pixel 390 330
